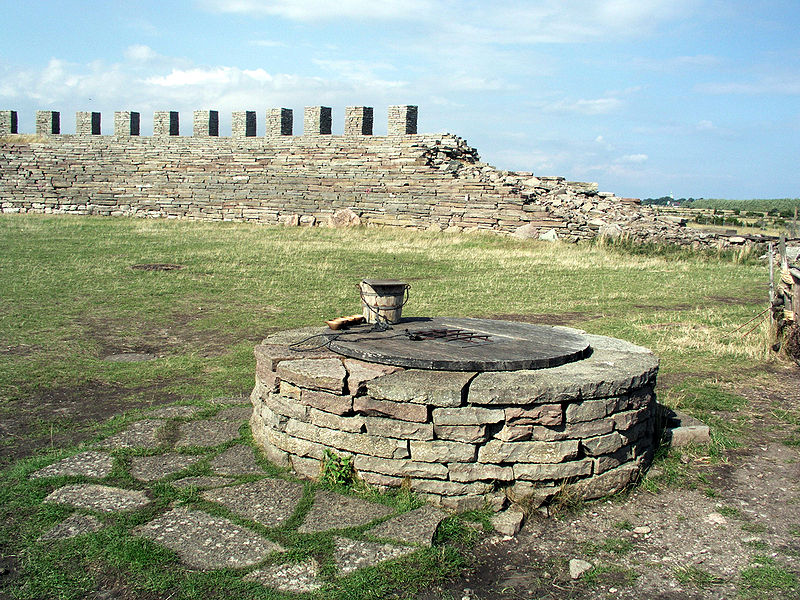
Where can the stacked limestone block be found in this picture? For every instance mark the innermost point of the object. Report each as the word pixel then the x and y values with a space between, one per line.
pixel 461 439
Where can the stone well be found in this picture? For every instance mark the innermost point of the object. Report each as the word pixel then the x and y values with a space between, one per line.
pixel 462 438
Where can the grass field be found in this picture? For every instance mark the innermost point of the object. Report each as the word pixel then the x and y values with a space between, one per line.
pixel 70 298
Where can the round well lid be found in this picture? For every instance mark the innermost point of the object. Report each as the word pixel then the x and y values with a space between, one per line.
pixel 462 344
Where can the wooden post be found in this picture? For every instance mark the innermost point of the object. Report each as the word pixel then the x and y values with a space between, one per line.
pixel 782 250
pixel 771 274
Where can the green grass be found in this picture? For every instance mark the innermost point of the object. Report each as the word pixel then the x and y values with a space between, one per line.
pixel 752 527
pixel 611 545
pixel 730 512
pixel 70 298
pixel 609 575
pixel 765 575
pixel 696 577
pixel 792 419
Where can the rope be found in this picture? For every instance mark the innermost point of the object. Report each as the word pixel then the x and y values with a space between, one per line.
pixel 329 338
pixel 751 320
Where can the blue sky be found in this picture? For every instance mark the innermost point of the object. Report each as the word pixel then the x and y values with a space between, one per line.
pixel 647 97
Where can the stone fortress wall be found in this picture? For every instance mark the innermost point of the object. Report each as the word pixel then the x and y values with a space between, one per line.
pixel 403 179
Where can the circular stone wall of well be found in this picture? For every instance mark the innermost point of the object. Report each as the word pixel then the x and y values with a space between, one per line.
pixel 461 438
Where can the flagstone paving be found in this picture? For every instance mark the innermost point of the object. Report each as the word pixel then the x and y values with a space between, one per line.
pixel 236 460
pixel 74 525
pixel 335 511
pixel 207 542
pixel 289 577
pixel 203 482
pixel 351 555
pixel 266 501
pixel 152 468
pixel 414 527
pixel 207 433
pixel 201 538
pixel 141 434
pixel 86 464
pixel 102 498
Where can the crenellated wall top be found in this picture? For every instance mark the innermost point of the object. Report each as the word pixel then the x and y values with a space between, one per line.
pixel 317 121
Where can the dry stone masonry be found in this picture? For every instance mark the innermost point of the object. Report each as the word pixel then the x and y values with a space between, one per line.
pixel 403 179
pixel 460 439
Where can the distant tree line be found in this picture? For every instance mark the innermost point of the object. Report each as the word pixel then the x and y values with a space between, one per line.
pixel 773 207
pixel 669 201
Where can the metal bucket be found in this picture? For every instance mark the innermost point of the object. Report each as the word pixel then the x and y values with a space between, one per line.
pixel 382 300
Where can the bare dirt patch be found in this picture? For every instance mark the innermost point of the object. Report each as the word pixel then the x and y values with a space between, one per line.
pixel 156 267
pixel 737 301
pixel 58 417
pixel 665 307
pixel 19 350
pixel 177 336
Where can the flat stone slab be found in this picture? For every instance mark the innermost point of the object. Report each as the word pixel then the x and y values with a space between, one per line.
pixel 234 413
pixel 351 555
pixel 326 374
pixel 417 526
pixel 298 578
pixel 457 344
pixel 87 464
pixel 102 498
pixel 141 434
pixel 152 468
pixel 236 460
pixel 335 511
pixel 206 433
pixel 203 482
pixel 72 526
pixel 267 501
pixel 606 373
pixel 175 412
pixel 683 429
pixel 205 542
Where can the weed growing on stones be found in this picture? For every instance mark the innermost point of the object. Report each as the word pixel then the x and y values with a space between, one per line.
pixel 337 470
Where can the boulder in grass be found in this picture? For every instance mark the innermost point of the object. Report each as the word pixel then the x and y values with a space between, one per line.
pixel 526 232
pixel 345 217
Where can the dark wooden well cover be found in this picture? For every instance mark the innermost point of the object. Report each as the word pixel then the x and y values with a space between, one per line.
pixel 461 344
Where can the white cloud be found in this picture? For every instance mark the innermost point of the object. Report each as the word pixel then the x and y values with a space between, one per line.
pixel 679 63
pixel 140 53
pixel 199 76
pixel 164 83
pixel 315 10
pixel 267 43
pixel 469 83
pixel 788 85
pixel 636 159
pixel 513 22
pixel 705 125
pixel 597 106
